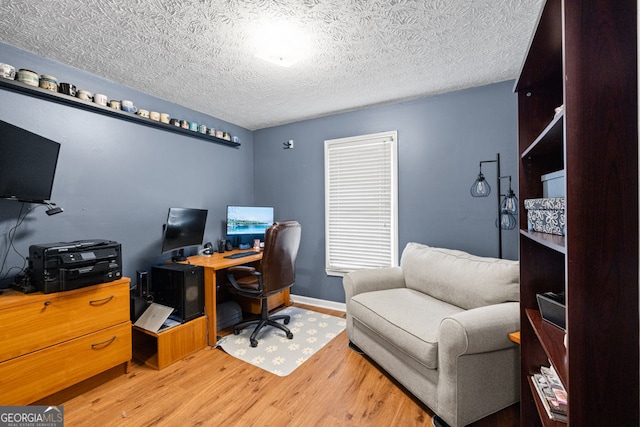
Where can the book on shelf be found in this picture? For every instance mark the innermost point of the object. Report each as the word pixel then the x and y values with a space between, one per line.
pixel 556 386
pixel 547 397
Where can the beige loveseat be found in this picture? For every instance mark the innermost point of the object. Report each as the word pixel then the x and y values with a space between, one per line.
pixel 439 325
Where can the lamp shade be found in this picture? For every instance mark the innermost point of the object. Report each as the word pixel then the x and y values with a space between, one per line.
pixel 481 187
pixel 506 221
pixel 509 203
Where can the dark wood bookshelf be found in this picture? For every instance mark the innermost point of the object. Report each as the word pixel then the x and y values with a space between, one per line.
pixel 583 55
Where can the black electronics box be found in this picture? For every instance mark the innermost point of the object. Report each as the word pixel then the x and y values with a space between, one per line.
pixel 180 286
pixel 552 308
pixel 228 313
pixel 64 266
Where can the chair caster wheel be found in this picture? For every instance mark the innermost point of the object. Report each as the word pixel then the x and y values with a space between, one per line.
pixel 290 335
pixel 236 332
pixel 286 321
pixel 254 343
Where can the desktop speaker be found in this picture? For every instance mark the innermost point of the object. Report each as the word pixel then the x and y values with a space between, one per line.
pixel 180 286
pixel 142 285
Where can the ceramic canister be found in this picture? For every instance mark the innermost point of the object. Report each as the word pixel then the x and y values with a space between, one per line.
pixel 28 77
pixel 7 71
pixel 48 82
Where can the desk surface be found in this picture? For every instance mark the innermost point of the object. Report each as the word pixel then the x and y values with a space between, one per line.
pixel 212 264
pixel 218 261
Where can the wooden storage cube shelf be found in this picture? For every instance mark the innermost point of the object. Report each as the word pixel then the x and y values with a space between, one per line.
pixel 159 350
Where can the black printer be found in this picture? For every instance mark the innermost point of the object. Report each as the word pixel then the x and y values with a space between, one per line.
pixel 64 266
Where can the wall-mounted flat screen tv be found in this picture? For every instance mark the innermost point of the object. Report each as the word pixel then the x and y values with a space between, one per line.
pixel 27 164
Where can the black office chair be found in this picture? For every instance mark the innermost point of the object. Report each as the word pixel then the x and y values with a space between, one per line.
pixel 275 274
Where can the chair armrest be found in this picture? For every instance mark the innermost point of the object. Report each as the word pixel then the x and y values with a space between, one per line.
pixel 478 330
pixel 244 270
pixel 375 279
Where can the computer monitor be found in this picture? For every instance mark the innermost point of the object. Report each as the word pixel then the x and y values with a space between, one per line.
pixel 184 228
pixel 27 164
pixel 245 223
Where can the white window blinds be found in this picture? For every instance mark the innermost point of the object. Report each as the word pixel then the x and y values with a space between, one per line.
pixel 361 202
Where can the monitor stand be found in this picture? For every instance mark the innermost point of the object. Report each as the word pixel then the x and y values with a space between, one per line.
pixel 179 257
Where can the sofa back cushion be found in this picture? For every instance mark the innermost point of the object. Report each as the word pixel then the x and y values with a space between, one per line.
pixel 459 278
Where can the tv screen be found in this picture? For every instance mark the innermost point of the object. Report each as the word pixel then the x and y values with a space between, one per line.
pixel 184 228
pixel 27 164
pixel 248 220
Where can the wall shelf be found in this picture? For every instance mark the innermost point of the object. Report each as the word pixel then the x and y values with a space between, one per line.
pixel 71 101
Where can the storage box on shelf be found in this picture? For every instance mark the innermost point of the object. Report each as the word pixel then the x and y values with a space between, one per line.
pixel 552 308
pixel 546 215
pixel 553 184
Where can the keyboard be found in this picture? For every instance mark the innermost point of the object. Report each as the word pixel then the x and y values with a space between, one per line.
pixel 242 254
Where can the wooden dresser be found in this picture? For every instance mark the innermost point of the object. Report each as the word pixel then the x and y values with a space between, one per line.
pixel 49 342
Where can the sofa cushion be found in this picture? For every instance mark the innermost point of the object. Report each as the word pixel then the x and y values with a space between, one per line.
pixel 409 320
pixel 459 278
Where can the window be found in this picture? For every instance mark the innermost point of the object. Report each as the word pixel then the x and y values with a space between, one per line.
pixel 361 202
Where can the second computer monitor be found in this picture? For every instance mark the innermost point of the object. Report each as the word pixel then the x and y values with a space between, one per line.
pixel 245 223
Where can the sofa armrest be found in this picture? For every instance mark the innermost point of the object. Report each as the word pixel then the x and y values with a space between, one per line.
pixel 478 366
pixel 479 330
pixel 375 279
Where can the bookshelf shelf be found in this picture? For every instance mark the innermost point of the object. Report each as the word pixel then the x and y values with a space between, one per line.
pixel 552 340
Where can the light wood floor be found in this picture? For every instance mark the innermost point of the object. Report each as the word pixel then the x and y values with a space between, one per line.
pixel 337 387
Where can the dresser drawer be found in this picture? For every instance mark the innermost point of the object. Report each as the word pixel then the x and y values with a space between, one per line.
pixel 28 378
pixel 45 320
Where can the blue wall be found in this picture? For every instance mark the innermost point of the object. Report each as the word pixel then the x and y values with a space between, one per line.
pixel 116 179
pixel 441 140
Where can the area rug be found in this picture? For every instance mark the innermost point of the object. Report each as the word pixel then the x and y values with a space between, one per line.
pixel 279 355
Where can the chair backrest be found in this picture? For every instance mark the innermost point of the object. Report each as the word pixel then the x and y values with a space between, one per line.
pixel 278 264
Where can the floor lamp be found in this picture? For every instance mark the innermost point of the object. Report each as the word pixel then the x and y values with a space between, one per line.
pixel 507 207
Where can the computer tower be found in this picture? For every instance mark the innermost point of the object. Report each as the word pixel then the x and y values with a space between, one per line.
pixel 180 286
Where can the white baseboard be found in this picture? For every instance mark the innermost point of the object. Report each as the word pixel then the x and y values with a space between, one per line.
pixel 331 305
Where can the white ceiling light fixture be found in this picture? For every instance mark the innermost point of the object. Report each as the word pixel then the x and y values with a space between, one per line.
pixel 280 43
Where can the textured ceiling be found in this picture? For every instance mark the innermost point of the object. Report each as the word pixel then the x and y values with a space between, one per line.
pixel 355 53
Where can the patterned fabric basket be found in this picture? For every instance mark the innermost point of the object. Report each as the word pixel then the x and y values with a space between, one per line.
pixel 546 215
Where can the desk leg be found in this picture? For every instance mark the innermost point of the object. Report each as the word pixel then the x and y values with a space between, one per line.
pixel 210 304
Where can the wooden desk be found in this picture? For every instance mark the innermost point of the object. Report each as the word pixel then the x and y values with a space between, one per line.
pixel 212 264
pixel 515 337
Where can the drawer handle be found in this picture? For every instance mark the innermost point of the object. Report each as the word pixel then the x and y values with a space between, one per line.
pixel 104 343
pixel 101 301
pixel 47 303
